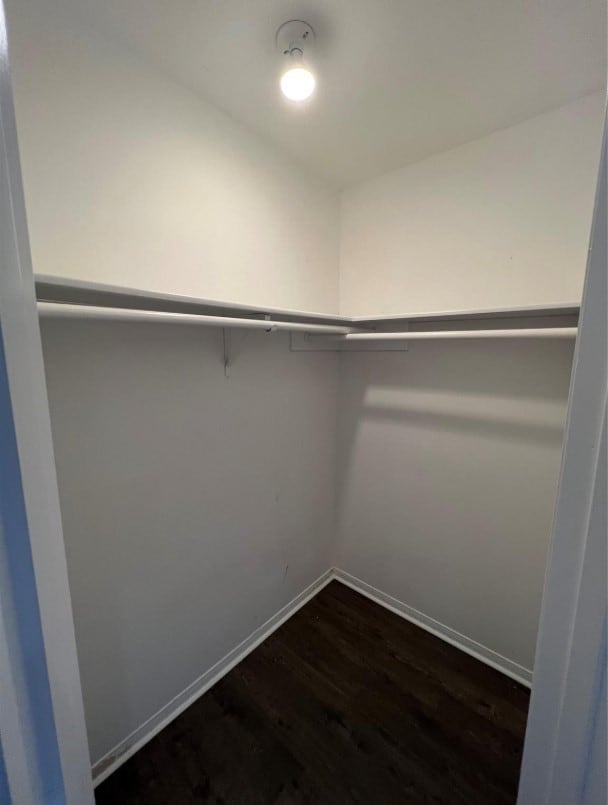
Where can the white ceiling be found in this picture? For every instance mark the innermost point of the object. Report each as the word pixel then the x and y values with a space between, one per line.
pixel 398 79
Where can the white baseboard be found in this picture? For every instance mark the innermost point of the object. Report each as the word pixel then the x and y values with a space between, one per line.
pixel 144 733
pixel 477 650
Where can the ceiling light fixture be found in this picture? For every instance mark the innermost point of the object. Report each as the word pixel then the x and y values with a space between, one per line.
pixel 297 81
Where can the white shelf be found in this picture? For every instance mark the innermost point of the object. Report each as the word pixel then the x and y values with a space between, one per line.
pixel 81 292
pixel 530 311
pixel 97 294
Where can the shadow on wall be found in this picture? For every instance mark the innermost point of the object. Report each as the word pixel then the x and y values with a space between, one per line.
pixel 448 460
pixel 504 391
pixel 491 426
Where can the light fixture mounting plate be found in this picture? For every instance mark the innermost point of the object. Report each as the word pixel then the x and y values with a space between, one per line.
pixel 294 34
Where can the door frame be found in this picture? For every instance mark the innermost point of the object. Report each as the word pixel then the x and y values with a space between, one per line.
pixel 45 756
pixel 570 664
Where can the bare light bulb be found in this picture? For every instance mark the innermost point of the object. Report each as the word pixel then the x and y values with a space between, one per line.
pixel 298 83
pixel 293 39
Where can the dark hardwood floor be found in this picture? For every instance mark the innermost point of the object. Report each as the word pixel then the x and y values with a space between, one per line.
pixel 345 703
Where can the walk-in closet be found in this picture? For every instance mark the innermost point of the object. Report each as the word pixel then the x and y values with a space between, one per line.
pixel 308 281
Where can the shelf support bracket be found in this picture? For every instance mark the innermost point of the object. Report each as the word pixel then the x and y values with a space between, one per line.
pixel 311 342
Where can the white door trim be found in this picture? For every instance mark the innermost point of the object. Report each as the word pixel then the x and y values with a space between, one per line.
pixel 570 654
pixel 32 755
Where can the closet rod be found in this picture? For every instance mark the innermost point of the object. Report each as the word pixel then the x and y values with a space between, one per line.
pixel 67 311
pixel 528 332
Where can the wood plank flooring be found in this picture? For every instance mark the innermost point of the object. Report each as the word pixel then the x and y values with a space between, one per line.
pixel 345 703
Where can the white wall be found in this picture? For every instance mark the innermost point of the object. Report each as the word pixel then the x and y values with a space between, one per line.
pixel 194 506
pixel 448 463
pixel 133 180
pixel 501 221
